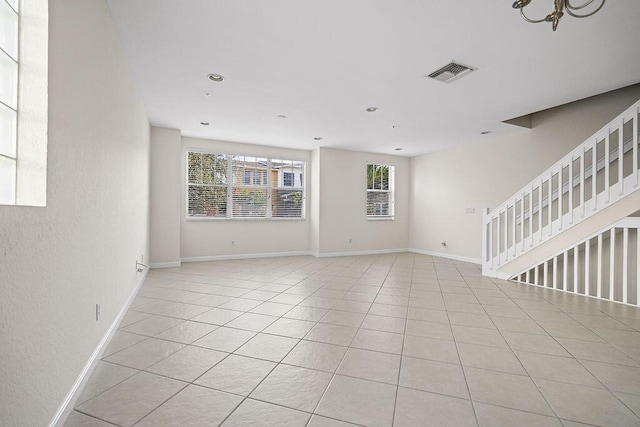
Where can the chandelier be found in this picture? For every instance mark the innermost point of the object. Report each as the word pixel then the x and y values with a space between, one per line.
pixel 560 7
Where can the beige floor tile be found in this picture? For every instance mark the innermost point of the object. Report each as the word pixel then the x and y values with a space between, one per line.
pixel 213 300
pixel 631 400
pixel 316 355
pixel 358 401
pixel 428 348
pixel 217 316
pixel 293 387
pixel 526 326
pixel 241 304
pixel 483 336
pixel 441 331
pixel 563 369
pixel 419 408
pixel 186 311
pixel 535 343
pixel 378 341
pixel 236 374
pixel 76 419
pixel 343 318
pixel 576 332
pixel 152 325
pixel 384 323
pixel 306 313
pixel 470 319
pixel 120 341
pixel 597 352
pixel 104 376
pixel 493 358
pixel 187 332
pixel 289 327
pixel 132 317
pixel 261 414
pixel 268 347
pixel 145 353
pixel 427 314
pixel 437 377
pixel 586 404
pixel 318 421
pixel 193 406
pixel 371 365
pixel 272 308
pixel 129 401
pixel 188 363
pixel 464 307
pixel 507 390
pixel 332 334
pixel 252 322
pixel 495 416
pixel 287 299
pixel 625 379
pixel 388 310
pixel 225 339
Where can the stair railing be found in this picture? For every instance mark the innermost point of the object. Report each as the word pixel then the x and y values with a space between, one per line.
pixel 594 175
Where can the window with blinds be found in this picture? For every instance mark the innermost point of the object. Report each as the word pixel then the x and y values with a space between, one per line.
pixel 380 188
pixel 8 100
pixel 231 186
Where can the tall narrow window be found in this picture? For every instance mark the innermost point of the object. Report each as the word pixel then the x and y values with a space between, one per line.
pixel 380 191
pixel 207 185
pixel 8 99
pixel 249 198
pixel 287 197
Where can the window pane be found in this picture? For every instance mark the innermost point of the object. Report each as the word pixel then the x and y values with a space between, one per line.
pixel 7 181
pixel 378 203
pixel 249 202
pixel 249 170
pixel 287 179
pixel 286 203
pixel 214 169
pixel 14 3
pixel 207 201
pixel 8 81
pixel 8 30
pixel 7 131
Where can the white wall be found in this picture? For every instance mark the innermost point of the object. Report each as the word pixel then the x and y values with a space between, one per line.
pixel 57 261
pixel 343 201
pixel 212 238
pixel 484 174
pixel 166 187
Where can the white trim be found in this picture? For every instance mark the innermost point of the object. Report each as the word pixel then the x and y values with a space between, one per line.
pixel 449 256
pixel 355 253
pixel 244 256
pixel 72 396
pixel 171 264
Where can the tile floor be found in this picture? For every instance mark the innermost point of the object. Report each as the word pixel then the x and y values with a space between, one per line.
pixel 402 339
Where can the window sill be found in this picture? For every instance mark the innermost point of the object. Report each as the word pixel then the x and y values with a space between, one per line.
pixel 381 218
pixel 209 219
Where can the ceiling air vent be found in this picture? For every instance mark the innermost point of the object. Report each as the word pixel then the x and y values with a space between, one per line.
pixel 451 71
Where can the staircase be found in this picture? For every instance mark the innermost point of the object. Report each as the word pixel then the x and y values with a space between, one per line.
pixel 545 233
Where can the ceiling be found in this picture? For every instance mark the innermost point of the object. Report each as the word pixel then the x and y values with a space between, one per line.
pixel 322 63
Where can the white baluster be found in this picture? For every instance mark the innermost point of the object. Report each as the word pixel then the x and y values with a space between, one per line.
pixel 587 248
pixel 531 218
pixel 582 177
pixel 575 269
pixel 612 259
pixel 599 271
pixel 560 193
pixel 621 156
pixel 625 265
pixel 570 193
pixel 546 274
pixel 594 173
pixel 540 208
pixel 555 272
pixel 565 271
pixel 607 164
pixel 635 147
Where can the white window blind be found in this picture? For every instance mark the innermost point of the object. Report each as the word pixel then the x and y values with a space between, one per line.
pixel 380 191
pixel 232 186
pixel 8 99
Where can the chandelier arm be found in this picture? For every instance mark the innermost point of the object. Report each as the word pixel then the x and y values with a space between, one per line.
pixel 533 21
pixel 575 15
pixel 582 6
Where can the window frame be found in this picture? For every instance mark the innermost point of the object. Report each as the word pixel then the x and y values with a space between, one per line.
pixel 390 216
pixel 234 184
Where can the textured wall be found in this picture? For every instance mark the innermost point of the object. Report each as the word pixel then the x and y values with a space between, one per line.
pixel 57 261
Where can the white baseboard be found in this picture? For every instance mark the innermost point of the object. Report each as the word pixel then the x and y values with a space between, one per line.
pixel 355 253
pixel 72 396
pixel 449 256
pixel 165 264
pixel 244 256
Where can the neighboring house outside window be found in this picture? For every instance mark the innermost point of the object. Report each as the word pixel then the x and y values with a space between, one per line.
pixel 255 189
pixel 380 191
pixel 287 179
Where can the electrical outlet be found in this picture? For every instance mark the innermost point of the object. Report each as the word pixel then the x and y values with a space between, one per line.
pixel 471 210
pixel 97 311
pixel 233 243
pixel 444 244
pixel 350 241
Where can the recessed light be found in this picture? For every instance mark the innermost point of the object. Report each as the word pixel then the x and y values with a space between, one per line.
pixel 207 94
pixel 203 123
pixel 398 149
pixel 215 77
pixel 281 116
pixel 318 138
pixel 372 109
pixel 486 132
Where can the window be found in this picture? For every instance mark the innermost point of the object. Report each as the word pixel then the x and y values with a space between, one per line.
pixel 8 100
pixel 228 186
pixel 380 187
